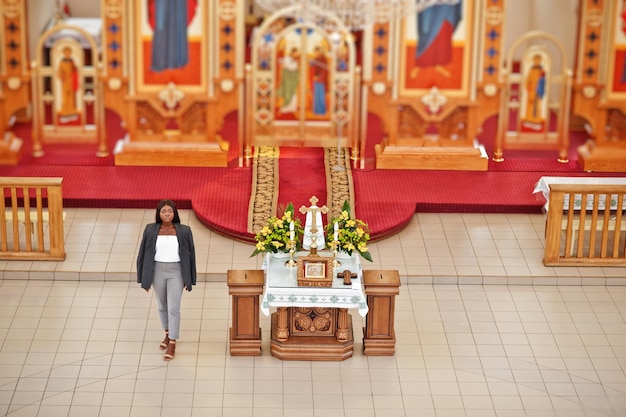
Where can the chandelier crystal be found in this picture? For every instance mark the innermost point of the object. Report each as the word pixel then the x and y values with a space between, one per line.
pixel 354 14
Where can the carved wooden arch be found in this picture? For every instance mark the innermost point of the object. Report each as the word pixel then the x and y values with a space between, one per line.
pixel 87 130
pixel 531 44
pixel 264 126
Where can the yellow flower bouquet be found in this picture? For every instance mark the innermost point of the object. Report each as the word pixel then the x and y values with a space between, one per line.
pixel 352 234
pixel 275 236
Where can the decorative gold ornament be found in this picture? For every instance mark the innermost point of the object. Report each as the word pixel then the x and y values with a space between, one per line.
pixel 228 10
pixel 493 16
pixel 589 91
pixel 11 9
pixel 171 96
pixel 490 90
pixel 379 88
pixel 114 84
pixel 14 83
pixel 594 18
pixel 114 9
pixel 434 100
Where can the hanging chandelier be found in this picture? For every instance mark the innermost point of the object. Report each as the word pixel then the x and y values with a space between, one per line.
pixel 354 14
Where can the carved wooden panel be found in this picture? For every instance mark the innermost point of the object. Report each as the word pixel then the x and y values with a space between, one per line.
pixel 315 321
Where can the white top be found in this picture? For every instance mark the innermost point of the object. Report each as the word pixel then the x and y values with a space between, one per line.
pixel 167 249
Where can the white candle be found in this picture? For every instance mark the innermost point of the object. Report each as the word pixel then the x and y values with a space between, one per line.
pixel 336 232
pixel 291 231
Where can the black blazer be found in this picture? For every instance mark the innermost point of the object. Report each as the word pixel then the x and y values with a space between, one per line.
pixel 147 250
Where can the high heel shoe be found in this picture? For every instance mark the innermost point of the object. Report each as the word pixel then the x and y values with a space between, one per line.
pixel 169 353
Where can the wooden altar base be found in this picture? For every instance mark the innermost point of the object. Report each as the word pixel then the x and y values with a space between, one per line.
pixel 172 154
pixel 311 348
pixel 431 158
pixel 602 158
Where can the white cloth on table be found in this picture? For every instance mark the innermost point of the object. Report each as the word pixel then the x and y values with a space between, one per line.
pixel 543 187
pixel 282 290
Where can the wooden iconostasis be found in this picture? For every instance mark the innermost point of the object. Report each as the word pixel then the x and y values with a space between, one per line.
pixel 433 77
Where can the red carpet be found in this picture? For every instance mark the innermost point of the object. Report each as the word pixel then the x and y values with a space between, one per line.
pixel 301 175
pixel 386 199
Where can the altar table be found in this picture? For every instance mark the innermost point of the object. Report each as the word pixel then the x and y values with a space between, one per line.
pixel 312 323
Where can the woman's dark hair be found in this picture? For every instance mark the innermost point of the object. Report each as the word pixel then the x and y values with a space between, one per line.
pixel 171 204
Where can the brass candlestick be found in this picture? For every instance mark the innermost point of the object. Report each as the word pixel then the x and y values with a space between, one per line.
pixel 292 249
pixel 336 262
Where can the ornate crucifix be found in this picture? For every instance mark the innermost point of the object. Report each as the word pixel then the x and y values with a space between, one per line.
pixel 314 210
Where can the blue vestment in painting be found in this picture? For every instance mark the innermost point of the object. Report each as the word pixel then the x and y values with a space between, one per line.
pixel 434 46
pixel 169 43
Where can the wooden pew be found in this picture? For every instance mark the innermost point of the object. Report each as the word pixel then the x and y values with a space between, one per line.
pixel 586 225
pixel 23 203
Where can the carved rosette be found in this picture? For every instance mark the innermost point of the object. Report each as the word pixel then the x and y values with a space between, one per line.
pixel 316 320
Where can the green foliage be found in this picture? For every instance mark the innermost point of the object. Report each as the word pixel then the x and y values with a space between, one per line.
pixel 352 234
pixel 274 237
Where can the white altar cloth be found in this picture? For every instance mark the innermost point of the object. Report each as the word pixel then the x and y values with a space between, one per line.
pixel 543 187
pixel 282 290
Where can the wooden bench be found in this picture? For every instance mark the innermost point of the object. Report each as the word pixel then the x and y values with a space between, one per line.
pixel 577 211
pixel 21 217
pixel 32 201
pixel 588 226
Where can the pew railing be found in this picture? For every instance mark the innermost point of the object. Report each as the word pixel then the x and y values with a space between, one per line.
pixel 27 204
pixel 586 225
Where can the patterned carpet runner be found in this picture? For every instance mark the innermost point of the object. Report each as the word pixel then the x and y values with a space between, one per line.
pixel 294 175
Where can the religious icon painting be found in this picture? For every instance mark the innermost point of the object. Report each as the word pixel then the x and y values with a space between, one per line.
pixel 617 66
pixel 171 44
pixel 69 106
pixel 536 69
pixel 436 47
pixel 303 68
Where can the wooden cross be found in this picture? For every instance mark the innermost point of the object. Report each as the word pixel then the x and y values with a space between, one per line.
pixel 347 276
pixel 313 210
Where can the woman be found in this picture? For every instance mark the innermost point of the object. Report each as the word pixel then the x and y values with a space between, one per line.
pixel 167 261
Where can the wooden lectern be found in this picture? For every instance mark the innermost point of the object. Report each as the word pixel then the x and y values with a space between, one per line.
pixel 245 286
pixel 381 288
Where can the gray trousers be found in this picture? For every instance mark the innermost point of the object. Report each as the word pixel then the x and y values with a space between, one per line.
pixel 168 289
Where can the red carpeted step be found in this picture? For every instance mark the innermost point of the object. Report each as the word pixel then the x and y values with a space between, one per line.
pixel 302 174
pixel 385 199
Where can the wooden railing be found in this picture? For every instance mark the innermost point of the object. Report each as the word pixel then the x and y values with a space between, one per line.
pixel 586 225
pixel 22 209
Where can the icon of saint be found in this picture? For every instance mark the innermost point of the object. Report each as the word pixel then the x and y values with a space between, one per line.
pixel 68 75
pixel 289 79
pixel 435 27
pixel 535 93
pixel 319 73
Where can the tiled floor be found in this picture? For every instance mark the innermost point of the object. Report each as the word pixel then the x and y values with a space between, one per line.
pixel 80 338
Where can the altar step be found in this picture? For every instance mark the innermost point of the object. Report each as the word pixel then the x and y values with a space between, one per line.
pixel 461 158
pixel 170 154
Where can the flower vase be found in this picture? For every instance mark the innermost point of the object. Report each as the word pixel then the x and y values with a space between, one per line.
pixel 280 255
pixel 343 255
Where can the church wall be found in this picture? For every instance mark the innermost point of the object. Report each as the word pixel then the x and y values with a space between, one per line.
pixel 557 17
pixel 39 14
pixel 84 8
